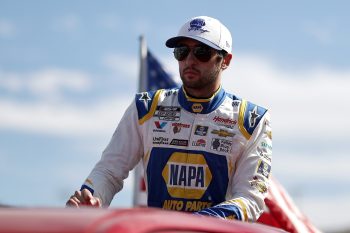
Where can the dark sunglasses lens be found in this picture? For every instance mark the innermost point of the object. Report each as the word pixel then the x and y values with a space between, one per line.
pixel 202 53
pixel 180 53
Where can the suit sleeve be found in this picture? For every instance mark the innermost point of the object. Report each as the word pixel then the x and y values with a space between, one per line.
pixel 250 180
pixel 121 155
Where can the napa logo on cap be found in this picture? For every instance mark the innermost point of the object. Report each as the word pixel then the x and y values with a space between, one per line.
pixel 186 175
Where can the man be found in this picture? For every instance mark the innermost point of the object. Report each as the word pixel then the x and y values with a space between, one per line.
pixel 203 150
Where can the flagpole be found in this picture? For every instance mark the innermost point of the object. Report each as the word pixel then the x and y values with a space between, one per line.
pixel 143 65
pixel 139 196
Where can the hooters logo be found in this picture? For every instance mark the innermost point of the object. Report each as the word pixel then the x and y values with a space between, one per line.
pixel 186 175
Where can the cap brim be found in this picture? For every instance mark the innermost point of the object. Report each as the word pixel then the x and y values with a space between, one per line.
pixel 172 42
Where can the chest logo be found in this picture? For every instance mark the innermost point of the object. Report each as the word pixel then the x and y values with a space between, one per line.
pixel 168 113
pixel 197 108
pixel 186 175
pixel 222 133
pixel 201 130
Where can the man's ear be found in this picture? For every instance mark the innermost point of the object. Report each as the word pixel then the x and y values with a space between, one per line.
pixel 226 61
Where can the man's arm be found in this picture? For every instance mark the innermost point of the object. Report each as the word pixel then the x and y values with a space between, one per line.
pixel 250 180
pixel 120 156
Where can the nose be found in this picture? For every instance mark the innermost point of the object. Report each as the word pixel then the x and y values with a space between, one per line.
pixel 190 59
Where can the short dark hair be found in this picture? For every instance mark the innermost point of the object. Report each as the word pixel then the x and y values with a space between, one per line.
pixel 223 53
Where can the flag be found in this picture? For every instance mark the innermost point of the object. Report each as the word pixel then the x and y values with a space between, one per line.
pixel 153 75
pixel 157 77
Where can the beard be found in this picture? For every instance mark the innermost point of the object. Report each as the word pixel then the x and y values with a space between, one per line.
pixel 204 81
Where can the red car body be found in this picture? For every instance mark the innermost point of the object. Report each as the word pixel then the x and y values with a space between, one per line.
pixel 136 220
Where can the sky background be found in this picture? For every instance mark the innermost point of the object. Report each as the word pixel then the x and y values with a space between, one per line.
pixel 69 69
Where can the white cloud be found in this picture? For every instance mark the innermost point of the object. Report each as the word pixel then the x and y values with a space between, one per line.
pixel 7 29
pixel 62 119
pixel 10 82
pixel 302 102
pixel 49 113
pixel 122 65
pixel 52 81
pixel 48 84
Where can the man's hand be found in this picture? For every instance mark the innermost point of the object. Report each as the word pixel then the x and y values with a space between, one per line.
pixel 83 198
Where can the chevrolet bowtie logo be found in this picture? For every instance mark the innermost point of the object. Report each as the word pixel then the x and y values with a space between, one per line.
pixel 222 133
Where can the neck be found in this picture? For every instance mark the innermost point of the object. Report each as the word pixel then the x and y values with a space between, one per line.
pixel 201 94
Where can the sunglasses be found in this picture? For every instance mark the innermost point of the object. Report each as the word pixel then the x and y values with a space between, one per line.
pixel 201 52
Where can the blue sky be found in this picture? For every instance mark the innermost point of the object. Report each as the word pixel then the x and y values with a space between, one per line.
pixel 68 69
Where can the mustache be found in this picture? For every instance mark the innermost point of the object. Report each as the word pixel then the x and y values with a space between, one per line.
pixel 190 68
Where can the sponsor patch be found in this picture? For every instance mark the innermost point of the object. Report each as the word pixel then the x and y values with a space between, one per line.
pixel 264 169
pixel 222 133
pixel 201 130
pixel 258 184
pixel 197 108
pixel 200 142
pixel 160 126
pixel 168 113
pixel 269 134
pixel 160 140
pixel 263 153
pixel 227 122
pixel 236 104
pixel 186 175
pixel 179 142
pixel 169 93
pixel 221 145
pixel 197 25
pixel 266 145
pixel 178 126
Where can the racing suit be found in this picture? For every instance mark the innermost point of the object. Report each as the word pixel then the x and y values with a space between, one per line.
pixel 209 156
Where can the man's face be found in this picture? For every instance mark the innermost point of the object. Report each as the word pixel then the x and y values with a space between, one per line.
pixel 196 74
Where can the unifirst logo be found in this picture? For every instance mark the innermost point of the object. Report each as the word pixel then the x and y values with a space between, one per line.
pixel 186 175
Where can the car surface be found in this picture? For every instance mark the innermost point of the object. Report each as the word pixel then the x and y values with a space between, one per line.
pixel 132 220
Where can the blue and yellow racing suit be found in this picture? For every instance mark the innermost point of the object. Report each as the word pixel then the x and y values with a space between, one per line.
pixel 208 156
